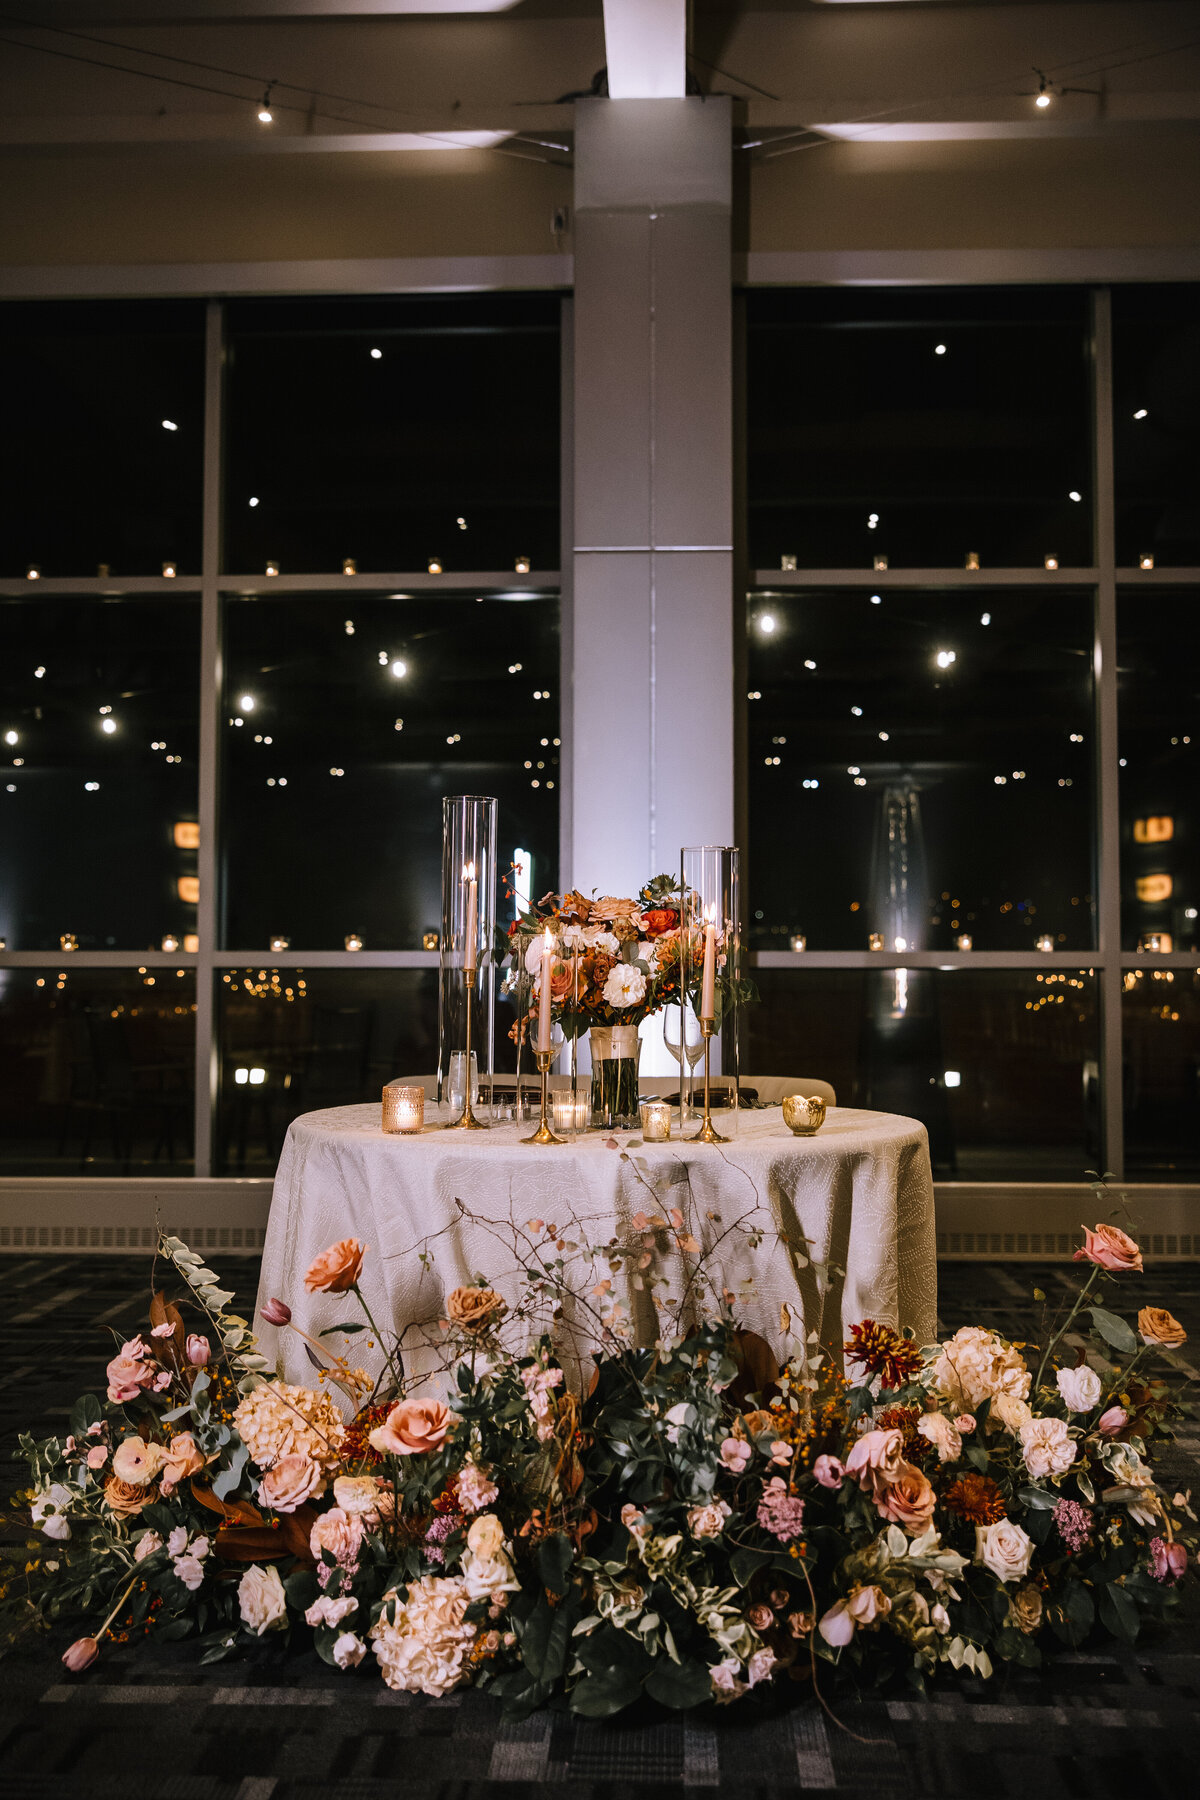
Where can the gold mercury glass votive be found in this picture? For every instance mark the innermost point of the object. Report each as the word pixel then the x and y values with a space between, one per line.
pixel 403 1107
pixel 803 1116
pixel 567 1114
pixel 656 1121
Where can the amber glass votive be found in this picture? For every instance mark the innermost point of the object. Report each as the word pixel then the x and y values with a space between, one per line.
pixel 656 1121
pixel 403 1107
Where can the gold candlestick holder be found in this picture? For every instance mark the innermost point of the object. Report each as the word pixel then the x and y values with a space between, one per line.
pixel 468 1121
pixel 543 1134
pixel 707 1133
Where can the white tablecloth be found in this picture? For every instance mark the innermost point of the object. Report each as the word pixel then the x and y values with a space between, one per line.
pixel 444 1208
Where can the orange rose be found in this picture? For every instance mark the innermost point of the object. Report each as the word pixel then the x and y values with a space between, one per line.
pixel 658 920
pixel 909 1500
pixel 1158 1327
pixel 127 1497
pixel 182 1459
pixel 474 1308
pixel 337 1269
pixel 413 1428
pixel 561 979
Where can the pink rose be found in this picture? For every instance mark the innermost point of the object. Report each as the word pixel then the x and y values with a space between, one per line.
pixel 339 1534
pixel 97 1456
pixel 82 1654
pixel 293 1480
pixel 275 1312
pixel 965 1424
pixel 198 1350
pixel 337 1269
pixel 875 1461
pixel 128 1373
pixel 1110 1248
pixel 828 1471
pixel 413 1428
pixel 183 1458
pixel 909 1500
pixel 1111 1423
pixel 735 1454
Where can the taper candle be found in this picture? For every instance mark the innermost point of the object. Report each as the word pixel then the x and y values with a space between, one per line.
pixel 543 1030
pixel 708 1009
pixel 469 957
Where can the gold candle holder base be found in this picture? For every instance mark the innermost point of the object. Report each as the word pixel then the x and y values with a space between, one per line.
pixel 543 1134
pixel 708 1133
pixel 468 1121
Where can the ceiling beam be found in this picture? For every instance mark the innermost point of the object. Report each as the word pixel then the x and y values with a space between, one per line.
pixel 646 47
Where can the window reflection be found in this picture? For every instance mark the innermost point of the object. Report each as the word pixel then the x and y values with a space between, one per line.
pixel 97 771
pixel 1000 1066
pixel 347 720
pixel 295 1040
pixel 1161 1027
pixel 1159 722
pixel 102 458
pixel 919 425
pixel 393 432
pixel 1156 424
pixel 96 1071
pixel 920 768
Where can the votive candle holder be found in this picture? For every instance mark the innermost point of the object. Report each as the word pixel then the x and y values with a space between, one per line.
pixel 403 1108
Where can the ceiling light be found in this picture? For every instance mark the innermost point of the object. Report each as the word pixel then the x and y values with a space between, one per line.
pixel 945 658
pixel 399 668
pixel 1074 495
pixel 939 349
pixel 169 425
pixel 1141 413
pixel 246 702
pixel 766 623
pixel 376 355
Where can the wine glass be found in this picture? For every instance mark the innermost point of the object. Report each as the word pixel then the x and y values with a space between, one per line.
pixel 687 1043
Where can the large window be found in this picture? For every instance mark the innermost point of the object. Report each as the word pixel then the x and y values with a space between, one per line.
pixel 973 716
pixel 276 578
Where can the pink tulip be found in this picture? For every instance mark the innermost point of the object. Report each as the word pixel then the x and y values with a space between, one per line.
pixel 82 1654
pixel 275 1312
pixel 198 1350
pixel 1110 1423
pixel 1177 1560
pixel 828 1471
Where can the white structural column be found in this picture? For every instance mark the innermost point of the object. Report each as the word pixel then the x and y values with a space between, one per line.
pixel 652 666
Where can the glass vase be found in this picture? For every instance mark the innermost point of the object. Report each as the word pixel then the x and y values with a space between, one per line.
pixel 709 888
pixel 467 977
pixel 615 1052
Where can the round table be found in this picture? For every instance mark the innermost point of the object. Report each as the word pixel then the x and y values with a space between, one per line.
pixel 777 1219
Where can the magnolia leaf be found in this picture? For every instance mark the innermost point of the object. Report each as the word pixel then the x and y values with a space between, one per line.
pixel 347 1330
pixel 1113 1330
pixel 679 1685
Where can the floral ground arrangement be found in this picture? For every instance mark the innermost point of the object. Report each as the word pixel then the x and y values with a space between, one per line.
pixel 700 1523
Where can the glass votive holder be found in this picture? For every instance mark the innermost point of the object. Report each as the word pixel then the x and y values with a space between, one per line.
pixel 456 1081
pixel 1145 560
pixel 964 941
pixel 353 941
pixel 68 941
pixel 880 562
pixel 191 942
pixel 434 565
pixel 787 565
pixel 403 1107
pixel 522 565
pixel 429 940
pixel 170 943
pixel 170 570
pixel 875 941
pixel 277 942
pixel 1156 943
pixel 272 567
pixel 1051 562
pixel 798 941
pixel 656 1121
pixel 972 560
pixel 33 573
pixel 349 567
pixel 1044 941
pixel 570 1114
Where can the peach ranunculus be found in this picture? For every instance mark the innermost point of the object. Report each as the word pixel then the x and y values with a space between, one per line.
pixel 290 1482
pixel 339 1534
pixel 137 1462
pixel 337 1269
pixel 1158 1327
pixel 875 1461
pixel 474 1308
pixel 413 1428
pixel 1111 1248
pixel 182 1458
pixel 909 1500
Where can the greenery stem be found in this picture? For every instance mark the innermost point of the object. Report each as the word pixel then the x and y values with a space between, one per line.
pixel 1080 1297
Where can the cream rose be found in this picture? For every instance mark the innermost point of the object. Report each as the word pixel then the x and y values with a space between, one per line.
pixel 293 1480
pixel 337 1269
pixel 1080 1388
pixel 357 1495
pixel 940 1430
pixel 1004 1549
pixel 708 1521
pixel 329 1611
pixel 261 1600
pixel 1025 1609
pixel 486 1535
pixel 413 1428
pixel 348 1650
pixel 1010 1412
pixel 1047 1447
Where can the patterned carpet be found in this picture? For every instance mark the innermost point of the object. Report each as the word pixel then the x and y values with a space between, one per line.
pixel 155 1726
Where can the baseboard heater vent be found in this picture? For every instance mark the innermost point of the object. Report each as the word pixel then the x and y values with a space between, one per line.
pixel 1040 1245
pixel 127 1237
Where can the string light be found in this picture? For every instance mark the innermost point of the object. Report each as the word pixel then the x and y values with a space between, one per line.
pixel 265 115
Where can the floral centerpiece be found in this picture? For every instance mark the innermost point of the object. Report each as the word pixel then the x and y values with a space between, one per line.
pixel 702 1521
